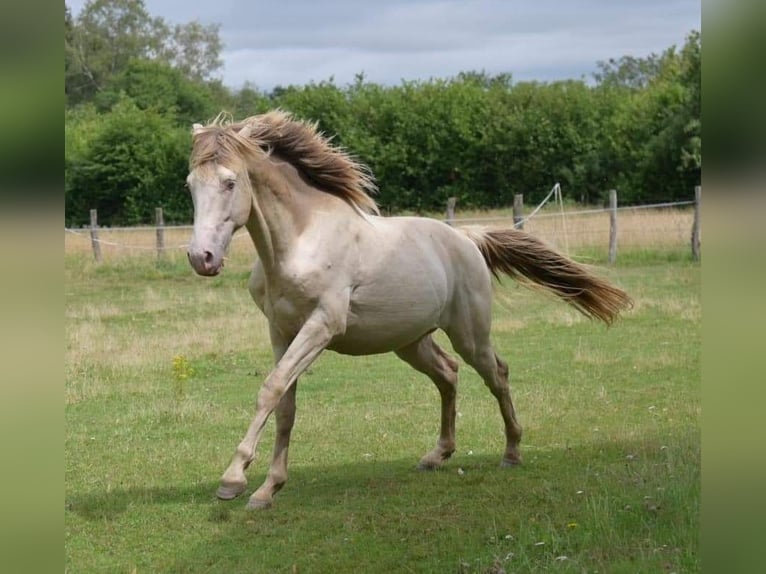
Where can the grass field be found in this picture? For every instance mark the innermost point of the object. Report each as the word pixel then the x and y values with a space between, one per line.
pixel 161 373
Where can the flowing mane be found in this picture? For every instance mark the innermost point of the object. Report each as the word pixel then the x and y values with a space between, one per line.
pixel 327 167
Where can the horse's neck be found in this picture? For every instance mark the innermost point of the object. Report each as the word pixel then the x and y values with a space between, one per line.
pixel 282 207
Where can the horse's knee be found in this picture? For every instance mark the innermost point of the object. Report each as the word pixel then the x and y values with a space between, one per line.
pixel 452 364
pixel 268 398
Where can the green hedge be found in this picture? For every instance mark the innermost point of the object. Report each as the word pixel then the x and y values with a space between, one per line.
pixel 478 137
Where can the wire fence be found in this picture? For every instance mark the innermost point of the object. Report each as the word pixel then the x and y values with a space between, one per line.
pixel 669 225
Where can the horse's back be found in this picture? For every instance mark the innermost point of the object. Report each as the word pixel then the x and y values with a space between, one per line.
pixel 429 247
pixel 436 244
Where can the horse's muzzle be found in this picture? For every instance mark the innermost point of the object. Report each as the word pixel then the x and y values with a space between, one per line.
pixel 204 262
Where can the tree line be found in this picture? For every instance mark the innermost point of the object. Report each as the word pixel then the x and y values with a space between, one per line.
pixel 134 84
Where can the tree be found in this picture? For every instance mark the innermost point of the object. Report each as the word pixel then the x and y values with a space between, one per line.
pixel 158 86
pixel 108 34
pixel 249 101
pixel 691 77
pixel 135 160
pixel 653 140
pixel 70 69
pixel 629 71
pixel 195 50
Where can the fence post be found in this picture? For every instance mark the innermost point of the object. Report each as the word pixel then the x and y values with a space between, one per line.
pixel 160 221
pixel 451 209
pixel 94 234
pixel 696 224
pixel 612 225
pixel 518 211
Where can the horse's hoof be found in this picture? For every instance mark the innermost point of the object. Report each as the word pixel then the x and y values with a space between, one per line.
pixel 229 491
pixel 508 462
pixel 258 504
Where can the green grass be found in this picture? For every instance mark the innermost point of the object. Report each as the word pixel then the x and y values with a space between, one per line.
pixel 161 374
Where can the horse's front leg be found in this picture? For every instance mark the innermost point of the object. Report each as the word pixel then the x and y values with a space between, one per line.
pixel 285 415
pixel 277 474
pixel 313 337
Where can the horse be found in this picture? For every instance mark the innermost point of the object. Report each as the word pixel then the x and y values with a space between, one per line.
pixel 332 273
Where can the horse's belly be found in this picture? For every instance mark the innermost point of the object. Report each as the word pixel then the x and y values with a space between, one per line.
pixel 386 328
pixel 355 342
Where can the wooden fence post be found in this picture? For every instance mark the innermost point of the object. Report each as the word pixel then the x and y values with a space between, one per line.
pixel 612 225
pixel 696 224
pixel 518 211
pixel 450 210
pixel 160 222
pixel 94 234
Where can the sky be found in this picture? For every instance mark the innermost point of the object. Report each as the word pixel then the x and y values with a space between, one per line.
pixel 277 43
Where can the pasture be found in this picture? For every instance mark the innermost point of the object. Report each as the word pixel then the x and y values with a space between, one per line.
pixel 162 368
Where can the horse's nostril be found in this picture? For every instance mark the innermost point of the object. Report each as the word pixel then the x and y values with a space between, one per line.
pixel 208 257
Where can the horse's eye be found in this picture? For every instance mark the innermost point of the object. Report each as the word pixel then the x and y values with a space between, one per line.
pixel 230 184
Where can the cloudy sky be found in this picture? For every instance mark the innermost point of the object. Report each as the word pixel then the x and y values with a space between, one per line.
pixel 270 43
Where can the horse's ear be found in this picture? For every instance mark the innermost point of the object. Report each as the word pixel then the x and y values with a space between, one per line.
pixel 196 128
pixel 246 130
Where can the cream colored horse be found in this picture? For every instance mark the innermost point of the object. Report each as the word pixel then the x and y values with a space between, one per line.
pixel 333 274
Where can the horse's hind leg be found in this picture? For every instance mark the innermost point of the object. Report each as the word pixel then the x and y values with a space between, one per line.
pixel 427 357
pixel 502 392
pixel 494 372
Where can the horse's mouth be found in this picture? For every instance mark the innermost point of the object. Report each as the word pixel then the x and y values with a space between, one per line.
pixel 210 271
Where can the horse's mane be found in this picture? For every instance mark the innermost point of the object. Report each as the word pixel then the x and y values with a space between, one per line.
pixel 327 167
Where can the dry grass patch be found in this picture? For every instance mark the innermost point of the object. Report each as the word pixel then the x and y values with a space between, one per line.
pixel 650 229
pixel 594 356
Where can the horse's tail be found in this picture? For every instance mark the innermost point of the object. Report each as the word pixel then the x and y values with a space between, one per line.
pixel 529 260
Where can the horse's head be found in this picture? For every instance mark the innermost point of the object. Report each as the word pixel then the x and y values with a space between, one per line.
pixel 221 193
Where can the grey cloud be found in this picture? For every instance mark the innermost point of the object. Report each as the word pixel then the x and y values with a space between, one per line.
pixel 273 43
